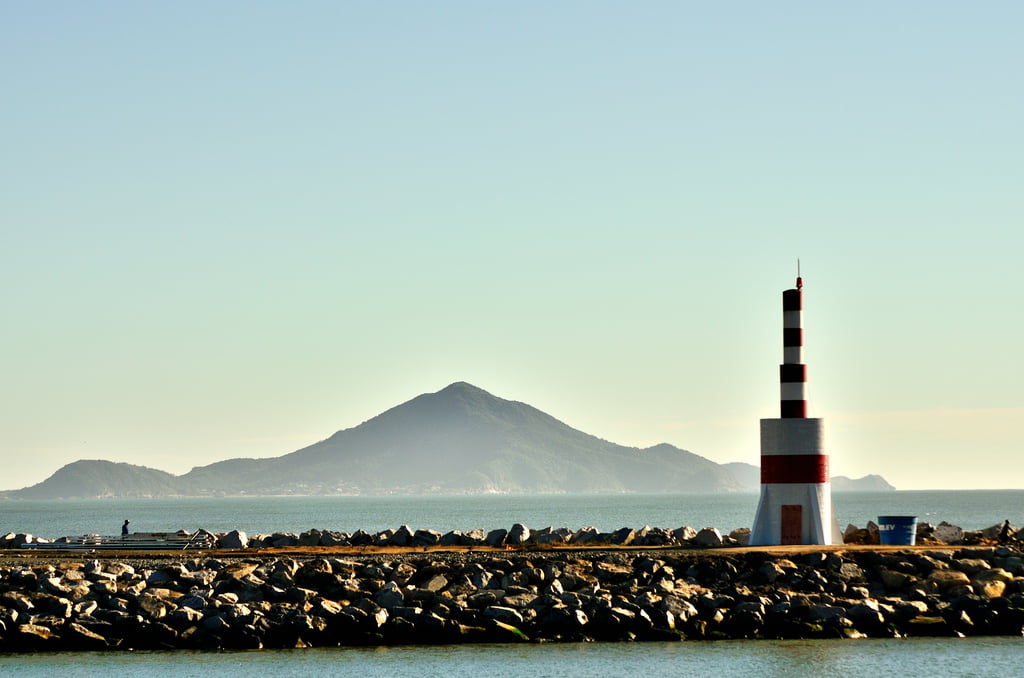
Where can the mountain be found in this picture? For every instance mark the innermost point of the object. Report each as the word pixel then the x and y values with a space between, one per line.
pixel 463 439
pixel 749 477
pixel 95 478
pixel 458 440
pixel 869 483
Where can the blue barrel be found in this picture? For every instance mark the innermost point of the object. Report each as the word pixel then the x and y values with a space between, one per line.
pixel 897 530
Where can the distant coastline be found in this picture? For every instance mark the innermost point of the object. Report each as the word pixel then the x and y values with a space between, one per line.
pixel 460 440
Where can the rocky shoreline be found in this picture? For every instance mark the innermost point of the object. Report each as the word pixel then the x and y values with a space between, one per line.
pixel 254 600
pixel 518 536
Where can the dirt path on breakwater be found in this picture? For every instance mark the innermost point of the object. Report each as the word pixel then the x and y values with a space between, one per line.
pixel 38 556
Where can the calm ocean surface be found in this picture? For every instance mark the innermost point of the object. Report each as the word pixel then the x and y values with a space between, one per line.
pixel 949 658
pixel 912 657
pixel 969 509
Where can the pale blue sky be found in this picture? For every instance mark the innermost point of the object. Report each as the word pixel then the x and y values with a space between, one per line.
pixel 231 229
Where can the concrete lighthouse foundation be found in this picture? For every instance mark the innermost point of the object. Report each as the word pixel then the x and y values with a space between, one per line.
pixel 796 495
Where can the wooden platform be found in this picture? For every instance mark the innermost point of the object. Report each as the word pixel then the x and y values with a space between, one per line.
pixel 136 541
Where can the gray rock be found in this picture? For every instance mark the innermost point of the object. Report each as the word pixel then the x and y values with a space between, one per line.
pixel 310 538
pixel 496 538
pixel 561 620
pixel 519 534
pixel 473 538
pixel 585 535
pixel 403 573
pixel 850 572
pixel 282 572
pixel 452 538
pixel 78 637
pixel 948 534
pixel 971 566
pixel 158 577
pixel 360 538
pixel 623 536
pixel 520 601
pixel 993 531
pixel 616 623
pixel 328 609
pixel 52 606
pixel 215 624
pixel 741 536
pixel 505 615
pixel 259 541
pixel 680 607
pixel 403 536
pixel 946 581
pixel 563 532
pixel 771 571
pixel 551 538
pixel 482 579
pixel 348 568
pixel 31 636
pixel 389 596
pixel 684 534
pixel 283 539
pixel 827 614
pixel 436 582
pixel 534 534
pixel 894 580
pixel 709 536
pixel 655 536
pixel 873 532
pixel 56 586
pixel 484 599
pixel 426 538
pixel 909 609
pixel 153 607
pixel 236 571
pixel 419 597
pixel 184 617
pixel 333 538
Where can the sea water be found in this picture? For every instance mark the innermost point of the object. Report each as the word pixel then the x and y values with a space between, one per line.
pixel 949 658
pixel 970 510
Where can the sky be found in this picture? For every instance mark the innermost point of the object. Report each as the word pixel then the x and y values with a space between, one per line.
pixel 232 229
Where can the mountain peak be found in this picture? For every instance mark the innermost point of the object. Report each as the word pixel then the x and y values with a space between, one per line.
pixel 462 389
pixel 462 386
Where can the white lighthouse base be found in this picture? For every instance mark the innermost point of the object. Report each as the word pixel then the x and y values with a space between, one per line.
pixel 795 513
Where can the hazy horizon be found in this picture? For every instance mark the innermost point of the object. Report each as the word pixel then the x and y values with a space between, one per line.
pixel 232 230
pixel 404 493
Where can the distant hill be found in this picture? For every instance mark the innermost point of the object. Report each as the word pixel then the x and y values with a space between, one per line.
pixel 749 476
pixel 458 440
pixel 94 478
pixel 870 483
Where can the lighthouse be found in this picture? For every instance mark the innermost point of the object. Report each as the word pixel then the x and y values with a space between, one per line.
pixel 796 495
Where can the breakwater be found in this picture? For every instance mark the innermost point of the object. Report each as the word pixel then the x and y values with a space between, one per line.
pixel 518 536
pixel 329 599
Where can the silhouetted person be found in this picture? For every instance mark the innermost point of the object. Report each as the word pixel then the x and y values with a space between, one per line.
pixel 1004 534
pixel 124 528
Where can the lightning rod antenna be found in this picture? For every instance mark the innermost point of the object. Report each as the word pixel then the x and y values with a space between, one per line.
pixel 799 280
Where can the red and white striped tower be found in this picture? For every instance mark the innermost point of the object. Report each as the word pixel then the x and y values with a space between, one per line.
pixel 796 495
